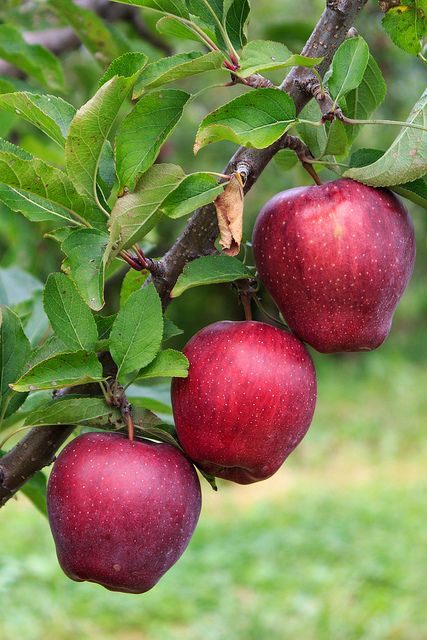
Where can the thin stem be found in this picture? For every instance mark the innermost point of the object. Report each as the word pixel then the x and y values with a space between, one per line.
pixel 127 414
pixel 198 31
pixel 246 302
pixel 311 172
pixel 395 123
pixel 269 315
pixel 218 85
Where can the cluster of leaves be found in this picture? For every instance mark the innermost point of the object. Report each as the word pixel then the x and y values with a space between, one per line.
pixel 406 24
pixel 110 191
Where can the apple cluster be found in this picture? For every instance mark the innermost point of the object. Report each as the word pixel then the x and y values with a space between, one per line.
pixel 336 258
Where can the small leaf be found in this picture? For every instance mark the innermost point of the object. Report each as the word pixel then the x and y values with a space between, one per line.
pixel 35 60
pixel 362 101
pixel 51 347
pixel 125 66
pixel 50 114
pixel 105 324
pixel 229 211
pixel 237 15
pixel 89 411
pixel 137 332
pixel 405 160
pixel 259 56
pixel 62 370
pixel 90 28
pixel 336 139
pixel 92 125
pixel 406 25
pixel 70 318
pixel 135 214
pixel 348 67
pixel 85 249
pixel 143 132
pixel 15 350
pixel 255 119
pixel 210 270
pixel 169 26
pixel 170 330
pixel 132 282
pixel 314 137
pixel 286 159
pixel 194 191
pixel 172 68
pixel 167 364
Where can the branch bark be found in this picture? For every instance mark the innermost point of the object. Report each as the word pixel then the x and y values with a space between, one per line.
pixel 198 238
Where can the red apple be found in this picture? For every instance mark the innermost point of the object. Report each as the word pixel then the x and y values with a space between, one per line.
pixel 247 402
pixel 121 512
pixel 336 258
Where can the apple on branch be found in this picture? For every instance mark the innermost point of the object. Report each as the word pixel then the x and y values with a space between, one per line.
pixel 122 511
pixel 336 259
pixel 247 402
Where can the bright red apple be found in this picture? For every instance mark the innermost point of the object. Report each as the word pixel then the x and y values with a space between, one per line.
pixel 121 512
pixel 247 402
pixel 336 258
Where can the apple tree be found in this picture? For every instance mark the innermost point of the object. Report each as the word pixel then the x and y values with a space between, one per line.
pixel 124 497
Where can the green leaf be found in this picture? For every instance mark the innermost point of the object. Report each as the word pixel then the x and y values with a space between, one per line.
pixel 16 285
pixel 192 192
pixel 259 56
pixel 37 324
pixel 286 159
pixel 170 330
pixel 135 214
pixel 91 127
pixel 89 411
pixel 132 281
pixel 43 192
pixel 125 66
pixel 143 132
pixel 167 364
pixel 336 139
pixel 90 28
pixel 85 249
pixel 173 7
pixel 35 490
pixel 61 370
pixel 236 20
pixel 15 350
pixel 406 25
pixel 172 68
pixel 137 332
pixel 348 67
pixel 171 27
pixel 255 119
pixel 50 114
pixel 210 270
pixel 104 324
pixel 38 62
pixel 70 318
pixel 405 160
pixel 362 101
pixel 51 347
pixel 416 191
pixel 314 137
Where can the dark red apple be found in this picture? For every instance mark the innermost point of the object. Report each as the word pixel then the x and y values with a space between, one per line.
pixel 121 512
pixel 247 402
pixel 336 258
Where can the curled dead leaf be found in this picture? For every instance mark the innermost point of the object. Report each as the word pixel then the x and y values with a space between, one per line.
pixel 229 211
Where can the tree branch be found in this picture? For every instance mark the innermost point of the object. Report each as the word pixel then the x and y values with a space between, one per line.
pixel 37 448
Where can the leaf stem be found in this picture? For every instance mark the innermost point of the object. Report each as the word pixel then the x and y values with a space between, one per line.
pixel 233 53
pixel 395 123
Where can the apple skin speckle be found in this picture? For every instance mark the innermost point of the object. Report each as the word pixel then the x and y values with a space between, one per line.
pixel 121 512
pixel 336 258
pixel 247 402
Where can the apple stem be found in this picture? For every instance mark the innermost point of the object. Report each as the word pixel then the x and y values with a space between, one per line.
pixel 312 172
pixel 246 299
pixel 130 425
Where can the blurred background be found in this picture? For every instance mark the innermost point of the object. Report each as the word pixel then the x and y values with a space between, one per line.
pixel 334 546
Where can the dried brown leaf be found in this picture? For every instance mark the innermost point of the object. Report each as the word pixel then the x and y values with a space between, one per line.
pixel 229 211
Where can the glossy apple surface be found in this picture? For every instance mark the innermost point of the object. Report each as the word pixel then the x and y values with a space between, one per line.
pixel 121 512
pixel 336 258
pixel 247 402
